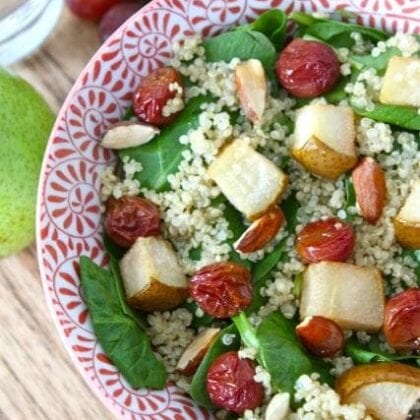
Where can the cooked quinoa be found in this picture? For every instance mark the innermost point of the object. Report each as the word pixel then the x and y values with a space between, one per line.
pixel 192 222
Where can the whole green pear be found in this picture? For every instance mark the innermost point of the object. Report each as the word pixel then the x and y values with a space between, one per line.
pixel 25 123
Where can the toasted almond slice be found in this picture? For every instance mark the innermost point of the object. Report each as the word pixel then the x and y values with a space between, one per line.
pixel 250 181
pixel 350 295
pixel 407 221
pixel 370 188
pixel 128 134
pixel 195 352
pixel 388 390
pixel 152 277
pixel 279 407
pixel 261 231
pixel 251 86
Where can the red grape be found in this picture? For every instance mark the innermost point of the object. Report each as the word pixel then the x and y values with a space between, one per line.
pixel 91 9
pixel 116 16
pixel 231 385
pixel 307 68
pixel 153 94
pixel 222 289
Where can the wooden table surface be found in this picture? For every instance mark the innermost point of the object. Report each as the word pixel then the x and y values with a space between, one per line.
pixel 37 377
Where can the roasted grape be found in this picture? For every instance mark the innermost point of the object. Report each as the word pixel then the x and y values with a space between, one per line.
pixel 129 218
pixel 222 289
pixel 307 68
pixel 231 385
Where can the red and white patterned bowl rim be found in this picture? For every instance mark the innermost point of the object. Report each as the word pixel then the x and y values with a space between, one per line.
pixel 68 214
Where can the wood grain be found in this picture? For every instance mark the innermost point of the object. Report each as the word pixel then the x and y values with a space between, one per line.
pixel 37 377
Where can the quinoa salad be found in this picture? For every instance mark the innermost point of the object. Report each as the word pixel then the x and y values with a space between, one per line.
pixel 263 223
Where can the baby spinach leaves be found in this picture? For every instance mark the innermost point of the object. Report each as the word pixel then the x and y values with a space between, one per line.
pixel 402 116
pixel 334 32
pixel 350 197
pixel 272 23
pixel 414 254
pixel 279 351
pixel 162 156
pixel 198 385
pixel 119 331
pixel 243 45
pixel 371 353
pixel 378 63
pixel 261 273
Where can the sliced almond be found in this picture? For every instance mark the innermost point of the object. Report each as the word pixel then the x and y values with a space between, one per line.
pixel 261 231
pixel 370 188
pixel 279 407
pixel 128 134
pixel 251 86
pixel 195 352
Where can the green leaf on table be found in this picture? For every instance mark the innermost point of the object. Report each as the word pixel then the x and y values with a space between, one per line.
pixel 121 336
pixel 243 45
pixel 272 23
pixel 162 156
pixel 378 63
pixel 401 116
pixel 198 385
pixel 328 29
pixel 371 353
pixel 128 113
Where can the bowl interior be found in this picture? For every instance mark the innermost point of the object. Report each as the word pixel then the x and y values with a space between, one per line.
pixel 69 218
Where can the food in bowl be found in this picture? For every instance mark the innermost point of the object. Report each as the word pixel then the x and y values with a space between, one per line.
pixel 252 222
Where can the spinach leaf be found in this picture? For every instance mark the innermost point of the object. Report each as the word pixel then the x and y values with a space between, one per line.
pixel 112 248
pixel 283 355
pixel 337 94
pixel 279 351
pixel 298 283
pixel 272 24
pixel 243 45
pixel 135 314
pixel 237 227
pixel 128 113
pixel 350 197
pixel 198 321
pixel 402 116
pixel 414 254
pixel 371 353
pixel 327 29
pixel 162 156
pixel 379 63
pixel 261 274
pixel 290 207
pixel 264 266
pixel 123 339
pixel 198 385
